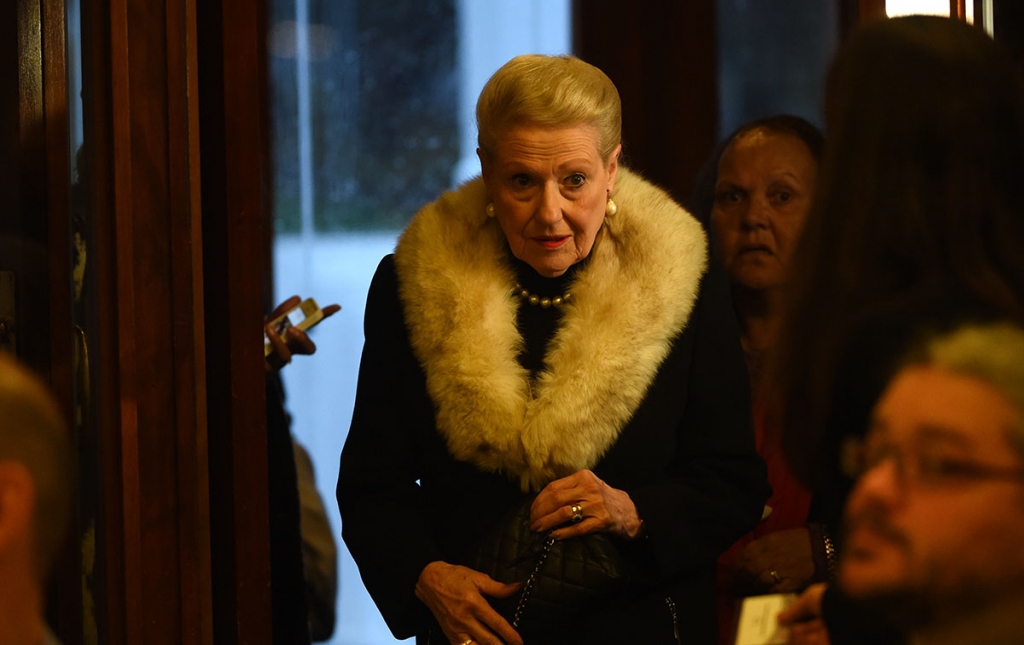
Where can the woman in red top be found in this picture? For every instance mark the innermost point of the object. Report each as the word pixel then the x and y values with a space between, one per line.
pixel 764 182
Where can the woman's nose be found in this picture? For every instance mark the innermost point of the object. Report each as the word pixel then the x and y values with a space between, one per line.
pixel 549 209
pixel 757 214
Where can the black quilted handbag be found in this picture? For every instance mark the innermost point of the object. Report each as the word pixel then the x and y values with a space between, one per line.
pixel 560 578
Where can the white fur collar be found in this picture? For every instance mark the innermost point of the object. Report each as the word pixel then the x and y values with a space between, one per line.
pixel 630 302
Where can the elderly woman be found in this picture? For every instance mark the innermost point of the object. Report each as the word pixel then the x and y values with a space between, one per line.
pixel 552 328
pixel 756 202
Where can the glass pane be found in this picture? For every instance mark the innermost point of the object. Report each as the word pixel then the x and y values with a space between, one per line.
pixel 772 58
pixel 372 107
pixel 83 279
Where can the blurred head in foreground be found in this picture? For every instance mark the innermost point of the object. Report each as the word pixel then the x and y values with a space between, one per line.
pixel 935 522
pixel 36 491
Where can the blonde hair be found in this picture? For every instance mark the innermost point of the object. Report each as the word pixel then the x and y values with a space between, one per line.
pixel 549 91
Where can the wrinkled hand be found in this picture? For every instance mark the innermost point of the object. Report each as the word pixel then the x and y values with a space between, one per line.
pixel 295 340
pixel 803 618
pixel 455 595
pixel 787 553
pixel 605 509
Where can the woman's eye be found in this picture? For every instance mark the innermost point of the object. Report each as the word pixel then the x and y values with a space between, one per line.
pixel 521 181
pixel 782 194
pixel 575 180
pixel 728 197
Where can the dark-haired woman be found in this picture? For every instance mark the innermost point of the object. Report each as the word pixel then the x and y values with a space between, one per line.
pixel 760 190
pixel 919 219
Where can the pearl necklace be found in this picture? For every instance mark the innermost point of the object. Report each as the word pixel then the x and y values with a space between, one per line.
pixel 543 302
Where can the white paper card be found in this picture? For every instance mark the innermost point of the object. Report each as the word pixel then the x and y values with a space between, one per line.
pixel 758 623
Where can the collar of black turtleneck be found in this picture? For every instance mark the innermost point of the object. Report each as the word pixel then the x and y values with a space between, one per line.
pixel 537 325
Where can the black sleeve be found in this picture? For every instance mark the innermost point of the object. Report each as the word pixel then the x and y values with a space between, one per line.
pixel 718 485
pixel 287 585
pixel 380 500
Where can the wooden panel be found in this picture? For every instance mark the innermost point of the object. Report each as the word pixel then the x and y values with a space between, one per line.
pixel 25 232
pixel 189 322
pixel 142 114
pixel 9 119
pixel 34 231
pixel 662 56
pixel 234 163
pixel 1008 20
pixel 849 17
pixel 105 104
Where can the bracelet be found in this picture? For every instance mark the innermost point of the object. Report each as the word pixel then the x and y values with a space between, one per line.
pixel 831 556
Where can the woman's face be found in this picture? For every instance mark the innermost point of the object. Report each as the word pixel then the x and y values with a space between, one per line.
pixel 550 188
pixel 765 185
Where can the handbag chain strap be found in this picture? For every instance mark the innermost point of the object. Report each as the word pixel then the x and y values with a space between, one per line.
pixel 528 586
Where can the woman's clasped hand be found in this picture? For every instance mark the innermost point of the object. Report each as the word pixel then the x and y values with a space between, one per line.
pixel 460 594
pixel 604 509
pixel 456 595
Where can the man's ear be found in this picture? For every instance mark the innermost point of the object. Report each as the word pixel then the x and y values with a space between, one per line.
pixel 17 504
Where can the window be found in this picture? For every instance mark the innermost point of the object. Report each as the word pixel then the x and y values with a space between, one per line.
pixel 773 60
pixel 969 10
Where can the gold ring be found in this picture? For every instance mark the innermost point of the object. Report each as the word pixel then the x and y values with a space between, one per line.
pixel 468 641
pixel 577 513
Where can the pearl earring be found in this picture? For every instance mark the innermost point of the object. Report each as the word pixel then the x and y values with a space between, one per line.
pixel 611 208
pixel 489 209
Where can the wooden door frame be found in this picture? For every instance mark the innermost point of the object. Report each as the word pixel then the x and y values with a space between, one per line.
pixel 39 216
pixel 154 294
pixel 235 171
pixel 142 124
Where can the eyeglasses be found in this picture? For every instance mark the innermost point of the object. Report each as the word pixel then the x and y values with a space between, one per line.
pixel 924 466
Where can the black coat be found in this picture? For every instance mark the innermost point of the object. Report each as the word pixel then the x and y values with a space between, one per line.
pixel 686 458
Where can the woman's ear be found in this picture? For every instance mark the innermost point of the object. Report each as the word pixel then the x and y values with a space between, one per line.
pixel 613 167
pixel 485 165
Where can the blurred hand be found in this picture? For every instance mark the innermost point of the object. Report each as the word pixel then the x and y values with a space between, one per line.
pixel 295 341
pixel 803 618
pixel 787 553
pixel 605 509
pixel 455 595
